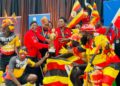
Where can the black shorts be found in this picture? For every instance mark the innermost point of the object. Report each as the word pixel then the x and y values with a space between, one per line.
pixel 22 80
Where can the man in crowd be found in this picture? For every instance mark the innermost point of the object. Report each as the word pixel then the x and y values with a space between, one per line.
pixel 15 72
pixel 9 43
pixel 32 41
pixel 44 30
pixel 62 34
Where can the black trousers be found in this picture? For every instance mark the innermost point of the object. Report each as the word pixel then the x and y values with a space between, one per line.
pixel 76 73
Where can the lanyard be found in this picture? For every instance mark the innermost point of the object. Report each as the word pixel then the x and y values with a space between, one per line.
pixel 62 32
pixel 43 33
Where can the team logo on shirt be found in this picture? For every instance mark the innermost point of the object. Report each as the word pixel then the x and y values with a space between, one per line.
pixel 21 64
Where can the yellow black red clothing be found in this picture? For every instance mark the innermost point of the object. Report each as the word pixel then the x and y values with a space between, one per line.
pixel 105 60
pixel 18 66
pixel 9 44
pixel 19 70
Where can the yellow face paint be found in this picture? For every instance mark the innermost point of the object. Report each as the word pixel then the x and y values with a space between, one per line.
pixel 11 27
pixel 22 51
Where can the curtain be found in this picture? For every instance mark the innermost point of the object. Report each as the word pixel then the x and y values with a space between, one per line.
pixel 56 8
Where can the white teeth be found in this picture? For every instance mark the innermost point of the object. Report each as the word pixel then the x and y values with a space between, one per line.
pixel 22 55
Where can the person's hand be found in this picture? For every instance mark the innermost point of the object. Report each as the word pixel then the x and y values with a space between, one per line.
pixel 19 84
pixel 70 51
pixel 63 39
pixel 46 55
pixel 48 40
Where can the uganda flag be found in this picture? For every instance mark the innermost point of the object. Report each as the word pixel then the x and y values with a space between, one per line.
pixel 57 73
pixel 76 19
pixel 76 9
pixel 77 15
pixel 95 18
pixel 109 76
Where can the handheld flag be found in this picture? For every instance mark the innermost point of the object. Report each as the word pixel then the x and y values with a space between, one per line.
pixel 95 18
pixel 76 19
pixel 76 8
pixel 116 19
pixel 77 14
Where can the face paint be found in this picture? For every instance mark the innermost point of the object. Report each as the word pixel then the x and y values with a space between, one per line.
pixel 22 56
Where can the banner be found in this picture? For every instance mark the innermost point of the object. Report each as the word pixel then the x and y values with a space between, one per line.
pixel 37 17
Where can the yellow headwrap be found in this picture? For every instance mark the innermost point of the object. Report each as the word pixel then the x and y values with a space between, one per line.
pixel 22 51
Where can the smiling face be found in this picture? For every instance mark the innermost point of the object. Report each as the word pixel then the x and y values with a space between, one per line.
pixel 61 23
pixel 45 25
pixel 22 54
pixel 34 26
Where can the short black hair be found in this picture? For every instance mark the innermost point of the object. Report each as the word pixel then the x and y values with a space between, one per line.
pixel 65 20
pixel 33 22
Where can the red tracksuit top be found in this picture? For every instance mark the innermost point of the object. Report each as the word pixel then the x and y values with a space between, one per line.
pixel 57 44
pixel 31 41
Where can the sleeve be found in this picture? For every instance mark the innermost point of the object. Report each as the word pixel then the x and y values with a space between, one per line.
pixel 17 42
pixel 80 49
pixel 12 62
pixel 40 37
pixel 37 44
pixel 31 63
pixel 69 33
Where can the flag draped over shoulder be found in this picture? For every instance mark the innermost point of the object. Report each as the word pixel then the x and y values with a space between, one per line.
pixel 116 20
pixel 77 14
